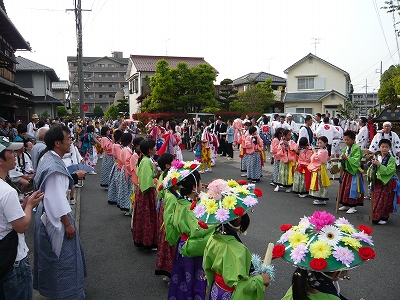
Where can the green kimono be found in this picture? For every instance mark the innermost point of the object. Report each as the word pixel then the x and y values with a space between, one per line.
pixel 317 296
pixel 171 233
pixel 145 172
pixel 353 161
pixel 385 173
pixel 184 221
pixel 231 259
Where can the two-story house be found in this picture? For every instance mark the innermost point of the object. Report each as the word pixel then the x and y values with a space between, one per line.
pixel 38 79
pixel 278 85
pixel 14 100
pixel 314 85
pixel 141 67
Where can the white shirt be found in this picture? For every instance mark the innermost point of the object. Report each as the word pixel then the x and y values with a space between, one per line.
pixel 326 130
pixel 11 210
pixel 284 126
pixel 29 129
pixel 303 132
pixel 362 137
pixel 393 137
pixel 338 133
pixel 293 126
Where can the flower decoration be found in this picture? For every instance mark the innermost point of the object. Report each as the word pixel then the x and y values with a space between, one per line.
pixel 258 192
pixel 225 200
pixel 278 251
pixel 193 205
pixel 179 170
pixel 202 224
pixel 321 243
pixel 242 181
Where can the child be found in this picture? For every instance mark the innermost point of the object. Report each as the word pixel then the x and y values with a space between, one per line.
pixel 125 179
pixel 286 153
pixel 165 251
pixel 116 149
pixel 144 215
pixel 383 183
pixel 274 150
pixel 254 147
pixel 108 158
pixel 319 176
pixel 230 138
pixel 352 182
pixel 206 142
pixel 302 176
pixel 241 141
pixel 133 164
pixel 197 142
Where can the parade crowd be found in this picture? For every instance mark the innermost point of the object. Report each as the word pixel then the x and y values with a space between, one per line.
pixel 194 227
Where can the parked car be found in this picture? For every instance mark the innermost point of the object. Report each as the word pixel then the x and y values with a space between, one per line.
pixel 298 118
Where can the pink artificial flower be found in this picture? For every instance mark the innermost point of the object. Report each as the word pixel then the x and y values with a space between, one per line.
pixel 321 219
pixel 250 201
pixel 222 215
pixel 362 236
pixel 177 164
pixel 344 255
pixel 199 211
pixel 298 254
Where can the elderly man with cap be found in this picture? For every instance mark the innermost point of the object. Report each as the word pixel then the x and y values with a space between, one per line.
pixel 31 127
pixel 3 129
pixel 392 136
pixel 292 124
pixel 15 271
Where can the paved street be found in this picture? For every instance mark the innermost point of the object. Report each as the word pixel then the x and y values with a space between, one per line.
pixel 117 270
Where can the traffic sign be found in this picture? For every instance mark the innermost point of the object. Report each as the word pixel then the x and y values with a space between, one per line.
pixel 85 107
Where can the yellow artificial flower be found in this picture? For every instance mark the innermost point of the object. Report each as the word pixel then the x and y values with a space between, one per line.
pixel 347 228
pixel 297 238
pixel 232 183
pixel 211 206
pixel 175 174
pixel 242 190
pixel 352 242
pixel 320 249
pixel 187 165
pixel 229 202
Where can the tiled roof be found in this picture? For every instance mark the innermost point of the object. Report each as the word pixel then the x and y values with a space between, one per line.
pixel 259 77
pixel 10 33
pixel 24 64
pixel 47 99
pixel 89 59
pixel 12 85
pixel 309 96
pixel 146 63
pixel 316 57
pixel 60 85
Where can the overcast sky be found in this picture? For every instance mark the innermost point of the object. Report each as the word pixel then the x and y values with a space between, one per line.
pixel 235 37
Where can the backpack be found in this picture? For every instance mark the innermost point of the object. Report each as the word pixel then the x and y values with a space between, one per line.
pixel 265 135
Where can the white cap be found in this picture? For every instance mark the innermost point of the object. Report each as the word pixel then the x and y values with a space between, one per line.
pixel 288 115
pixel 5 144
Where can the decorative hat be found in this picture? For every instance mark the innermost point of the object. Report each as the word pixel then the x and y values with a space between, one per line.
pixel 225 201
pixel 179 170
pixel 5 144
pixel 35 116
pixel 323 243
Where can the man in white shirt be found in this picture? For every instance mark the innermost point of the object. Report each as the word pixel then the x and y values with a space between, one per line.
pixel 392 136
pixel 318 120
pixel 14 220
pixel 282 124
pixel 292 124
pixel 305 131
pixel 362 137
pixel 327 130
pixel 31 127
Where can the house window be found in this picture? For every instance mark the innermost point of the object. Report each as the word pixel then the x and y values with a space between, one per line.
pixel 102 96
pixel 124 66
pixel 87 76
pixel 304 110
pixel 111 65
pixel 310 60
pixel 305 83
pixel 101 65
pixel 111 75
pixel 122 75
pixel 102 85
pixel 111 85
pixel 244 88
pixel 102 75
pixel 111 96
pixel 333 97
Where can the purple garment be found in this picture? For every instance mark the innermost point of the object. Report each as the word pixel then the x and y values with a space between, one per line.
pixel 188 280
pixel 217 293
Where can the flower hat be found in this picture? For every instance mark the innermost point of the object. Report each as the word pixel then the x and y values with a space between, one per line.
pixel 323 243
pixel 179 170
pixel 225 201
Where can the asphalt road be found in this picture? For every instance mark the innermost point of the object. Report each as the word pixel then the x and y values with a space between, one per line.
pixel 117 270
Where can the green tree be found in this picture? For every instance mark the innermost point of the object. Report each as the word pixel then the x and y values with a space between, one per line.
pixel 348 110
pixel 98 111
pixel 44 115
pixel 112 112
pixel 227 93
pixel 236 105
pixel 123 108
pixel 74 111
pixel 390 86
pixel 62 111
pixel 258 97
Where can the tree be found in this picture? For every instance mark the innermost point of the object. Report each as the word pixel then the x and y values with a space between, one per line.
pixel 236 105
pixel 62 111
pixel 98 111
pixel 390 86
pixel 123 108
pixel 44 115
pixel 348 110
pixel 226 94
pixel 112 112
pixel 258 97
pixel 74 110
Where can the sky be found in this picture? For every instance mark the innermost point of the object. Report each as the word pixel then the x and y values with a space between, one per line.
pixel 235 37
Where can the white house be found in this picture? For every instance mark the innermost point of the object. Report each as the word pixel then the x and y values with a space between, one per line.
pixel 314 85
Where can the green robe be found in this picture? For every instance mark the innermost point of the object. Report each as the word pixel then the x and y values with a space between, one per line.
pixel 184 221
pixel 231 259
pixel 353 161
pixel 317 296
pixel 385 173
pixel 145 172
pixel 171 233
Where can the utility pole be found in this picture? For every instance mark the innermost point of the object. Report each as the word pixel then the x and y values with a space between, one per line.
pixel 78 21
pixel 316 41
pixel 366 97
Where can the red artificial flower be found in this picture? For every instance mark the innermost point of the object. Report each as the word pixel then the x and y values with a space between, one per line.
pixel 193 166
pixel 278 251
pixel 258 192
pixel 242 182
pixel 174 181
pixel 318 264
pixel 365 228
pixel 239 211
pixel 193 205
pixel 202 224
pixel 366 253
pixel 160 187
pixel 286 227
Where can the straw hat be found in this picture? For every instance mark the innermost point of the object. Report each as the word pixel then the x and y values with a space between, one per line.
pixel 324 244
pixel 35 116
